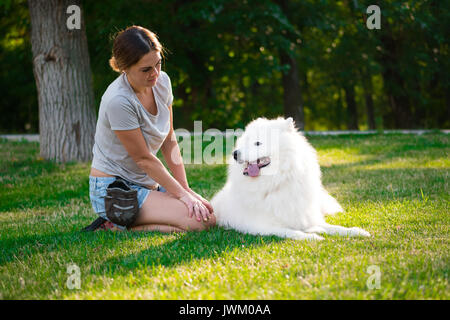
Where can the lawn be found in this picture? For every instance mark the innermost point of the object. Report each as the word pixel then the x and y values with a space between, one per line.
pixel 394 186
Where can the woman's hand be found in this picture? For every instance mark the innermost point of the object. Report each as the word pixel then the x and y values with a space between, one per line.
pixel 195 206
pixel 203 200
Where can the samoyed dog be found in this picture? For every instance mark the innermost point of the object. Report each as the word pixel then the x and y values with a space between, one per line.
pixel 274 186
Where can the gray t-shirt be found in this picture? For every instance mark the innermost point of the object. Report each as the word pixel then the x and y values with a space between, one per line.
pixel 120 109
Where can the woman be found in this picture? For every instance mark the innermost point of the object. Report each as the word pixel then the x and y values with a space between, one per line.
pixel 134 122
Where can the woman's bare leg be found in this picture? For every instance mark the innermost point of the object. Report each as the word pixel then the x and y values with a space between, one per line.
pixel 168 214
pixel 156 227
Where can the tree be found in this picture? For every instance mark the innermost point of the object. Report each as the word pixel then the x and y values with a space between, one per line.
pixel 292 95
pixel 18 102
pixel 231 61
pixel 64 84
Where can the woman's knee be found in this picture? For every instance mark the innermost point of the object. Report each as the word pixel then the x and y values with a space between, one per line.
pixel 162 209
pixel 211 221
pixel 194 225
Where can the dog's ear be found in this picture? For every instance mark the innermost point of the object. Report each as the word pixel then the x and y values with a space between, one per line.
pixel 290 125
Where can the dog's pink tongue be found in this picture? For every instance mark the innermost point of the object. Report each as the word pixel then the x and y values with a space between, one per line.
pixel 253 170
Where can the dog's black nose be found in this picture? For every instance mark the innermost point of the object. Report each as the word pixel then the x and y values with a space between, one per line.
pixel 235 154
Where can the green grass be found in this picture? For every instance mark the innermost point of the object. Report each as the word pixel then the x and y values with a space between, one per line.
pixel 394 186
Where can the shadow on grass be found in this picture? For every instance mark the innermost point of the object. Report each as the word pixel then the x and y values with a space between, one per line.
pixel 185 249
pixel 45 184
pixel 81 247
pixel 23 247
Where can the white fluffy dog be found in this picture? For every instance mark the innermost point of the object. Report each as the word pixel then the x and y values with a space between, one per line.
pixel 274 186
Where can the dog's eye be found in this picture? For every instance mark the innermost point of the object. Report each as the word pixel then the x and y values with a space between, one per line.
pixel 257 143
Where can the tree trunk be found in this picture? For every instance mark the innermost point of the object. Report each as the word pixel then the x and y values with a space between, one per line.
pixel 445 122
pixel 366 79
pixel 64 82
pixel 394 82
pixel 292 94
pixel 351 107
pixel 370 110
pixel 339 110
pixel 292 97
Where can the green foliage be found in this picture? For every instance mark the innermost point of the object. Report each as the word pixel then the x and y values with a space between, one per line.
pixel 224 59
pixel 18 101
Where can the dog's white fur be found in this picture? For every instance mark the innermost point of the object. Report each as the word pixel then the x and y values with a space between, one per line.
pixel 287 199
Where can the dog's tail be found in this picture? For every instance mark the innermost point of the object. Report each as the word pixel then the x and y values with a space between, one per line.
pixel 329 205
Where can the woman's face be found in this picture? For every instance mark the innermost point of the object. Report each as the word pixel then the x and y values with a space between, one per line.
pixel 146 71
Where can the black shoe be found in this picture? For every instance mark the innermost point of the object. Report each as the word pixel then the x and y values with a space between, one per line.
pixel 94 225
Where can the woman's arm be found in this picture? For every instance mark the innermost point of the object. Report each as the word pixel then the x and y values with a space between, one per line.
pixel 134 143
pixel 171 152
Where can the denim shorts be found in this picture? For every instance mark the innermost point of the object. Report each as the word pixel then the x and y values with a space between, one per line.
pixel 97 193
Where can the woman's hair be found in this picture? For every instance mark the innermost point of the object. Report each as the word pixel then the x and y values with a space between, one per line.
pixel 130 45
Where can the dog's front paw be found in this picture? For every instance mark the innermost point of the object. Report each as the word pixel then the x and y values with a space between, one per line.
pixel 358 232
pixel 314 237
pixel 307 236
